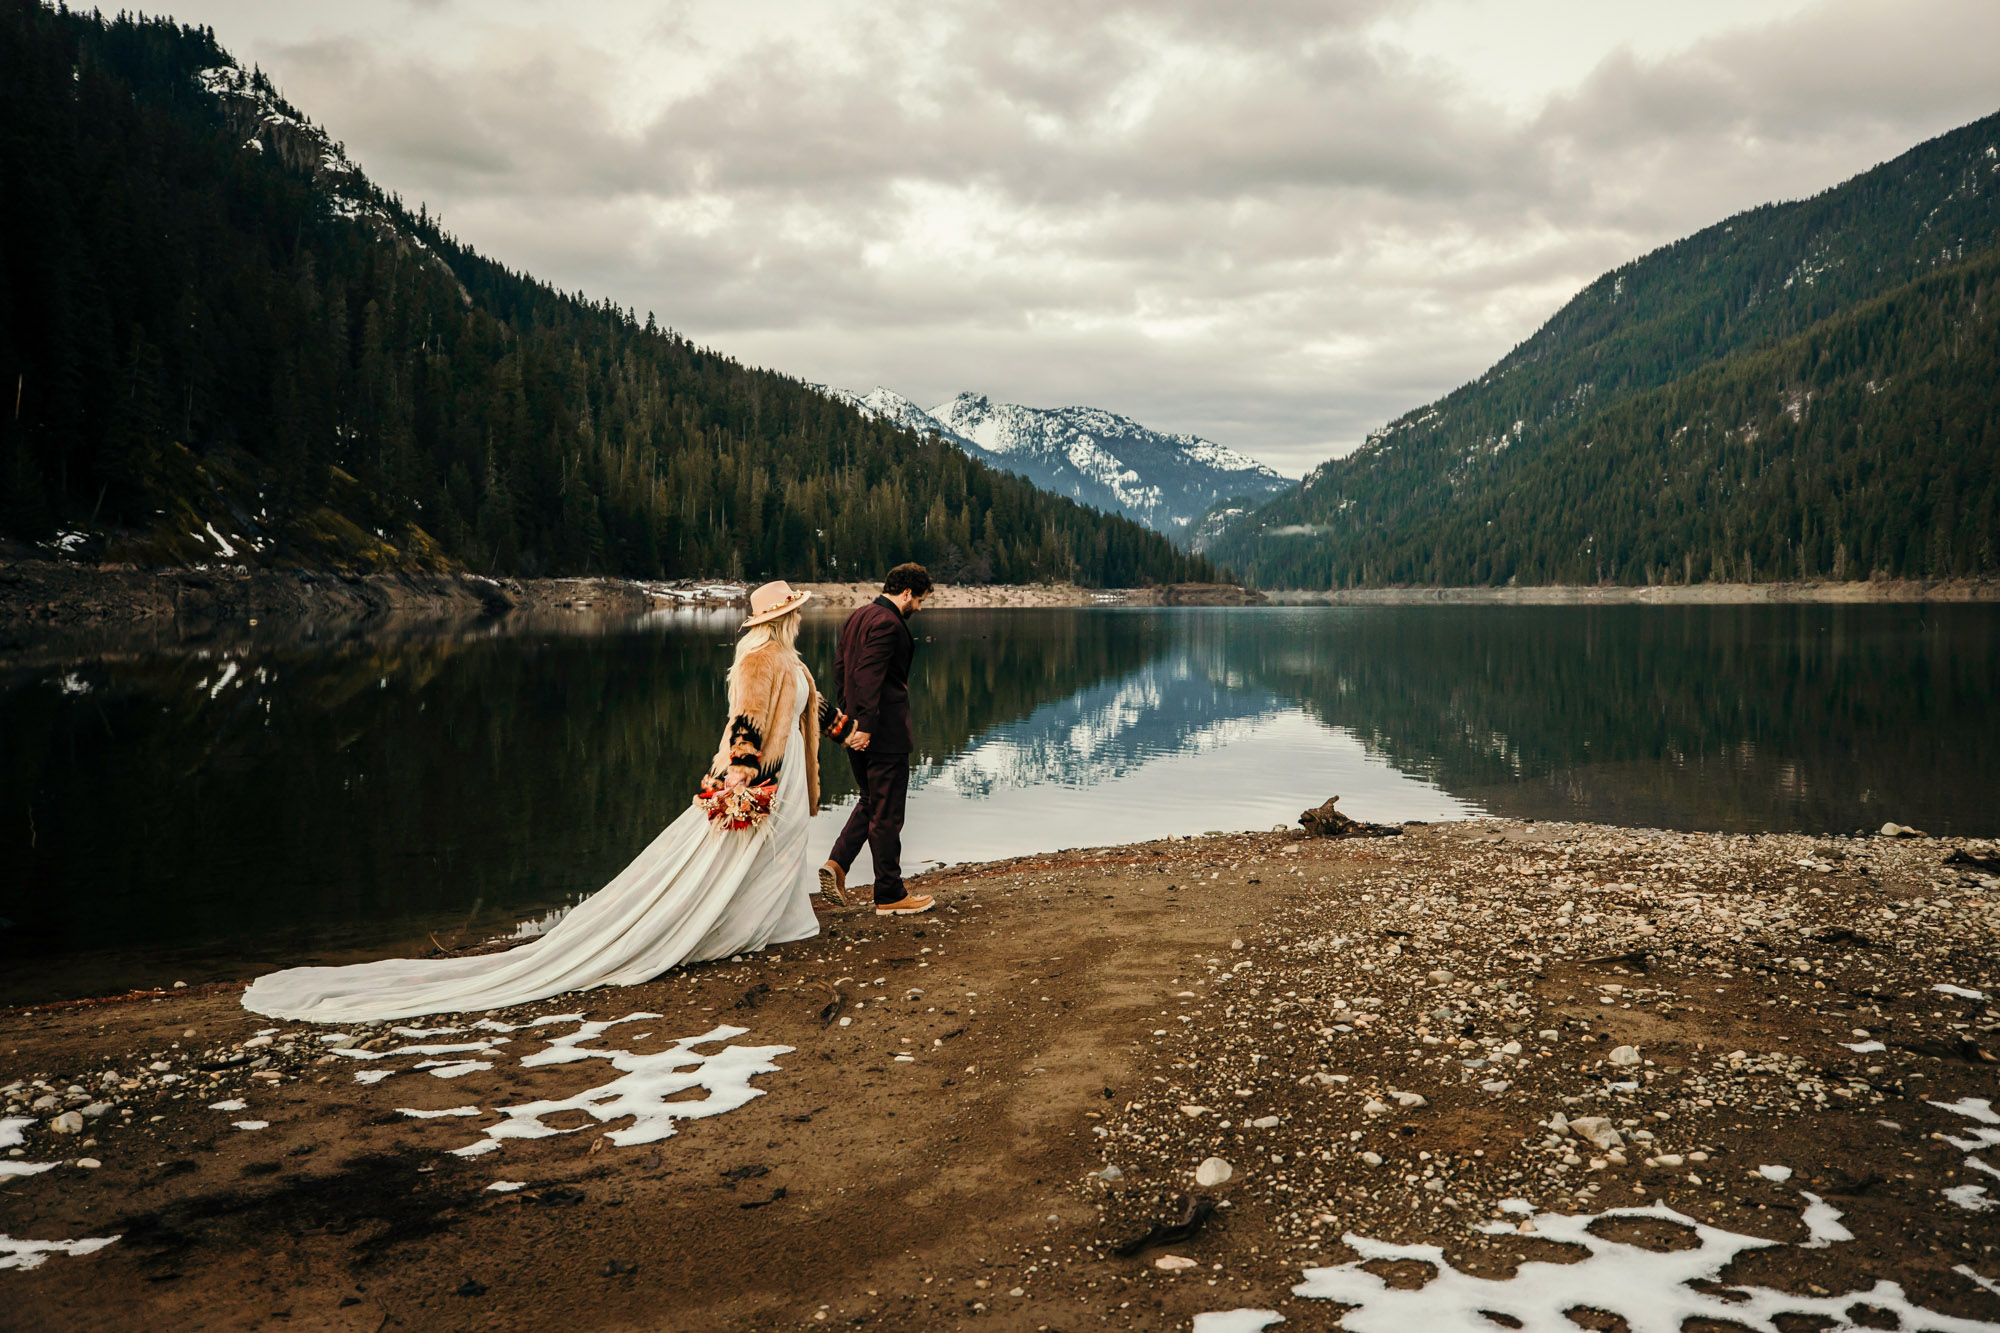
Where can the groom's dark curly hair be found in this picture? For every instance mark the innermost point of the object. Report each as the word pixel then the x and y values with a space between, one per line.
pixel 909 577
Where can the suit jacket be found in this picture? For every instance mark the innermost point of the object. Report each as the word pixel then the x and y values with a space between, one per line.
pixel 872 670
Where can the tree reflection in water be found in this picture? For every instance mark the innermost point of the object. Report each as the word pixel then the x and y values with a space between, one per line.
pixel 165 814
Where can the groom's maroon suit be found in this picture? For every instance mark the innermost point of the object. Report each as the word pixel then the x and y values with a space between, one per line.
pixel 872 672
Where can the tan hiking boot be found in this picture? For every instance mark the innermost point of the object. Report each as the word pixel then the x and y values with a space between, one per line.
pixel 833 883
pixel 908 905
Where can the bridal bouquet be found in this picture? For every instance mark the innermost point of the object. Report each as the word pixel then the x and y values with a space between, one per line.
pixel 735 807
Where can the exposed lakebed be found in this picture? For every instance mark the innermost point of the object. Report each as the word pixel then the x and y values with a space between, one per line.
pixel 207 810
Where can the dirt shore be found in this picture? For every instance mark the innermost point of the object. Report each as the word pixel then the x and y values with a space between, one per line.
pixel 1699 594
pixel 1460 1037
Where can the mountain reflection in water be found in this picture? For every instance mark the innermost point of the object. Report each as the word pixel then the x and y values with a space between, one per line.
pixel 208 811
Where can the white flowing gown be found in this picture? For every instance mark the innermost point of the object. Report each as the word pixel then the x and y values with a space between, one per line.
pixel 697 892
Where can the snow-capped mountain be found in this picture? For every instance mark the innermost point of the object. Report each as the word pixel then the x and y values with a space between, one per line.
pixel 1107 461
pixel 1110 461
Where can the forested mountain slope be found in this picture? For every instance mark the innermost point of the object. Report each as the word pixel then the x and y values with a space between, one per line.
pixel 1807 390
pixel 220 342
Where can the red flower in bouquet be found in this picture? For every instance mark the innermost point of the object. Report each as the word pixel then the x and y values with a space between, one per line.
pixel 735 807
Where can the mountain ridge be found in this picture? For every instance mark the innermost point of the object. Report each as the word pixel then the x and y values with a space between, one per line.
pixel 229 346
pixel 1471 488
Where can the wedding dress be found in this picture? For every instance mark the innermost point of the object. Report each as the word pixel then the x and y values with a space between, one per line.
pixel 697 892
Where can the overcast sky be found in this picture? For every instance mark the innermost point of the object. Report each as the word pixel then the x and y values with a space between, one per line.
pixel 1277 224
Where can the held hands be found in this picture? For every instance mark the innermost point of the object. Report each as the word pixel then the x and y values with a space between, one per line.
pixel 734 778
pixel 858 740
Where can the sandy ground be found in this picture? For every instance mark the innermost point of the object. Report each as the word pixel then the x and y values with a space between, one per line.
pixel 1458 1038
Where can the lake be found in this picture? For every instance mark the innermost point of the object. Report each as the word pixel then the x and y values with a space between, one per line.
pixel 203 811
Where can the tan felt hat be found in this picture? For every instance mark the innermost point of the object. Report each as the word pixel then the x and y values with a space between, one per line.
pixel 773 600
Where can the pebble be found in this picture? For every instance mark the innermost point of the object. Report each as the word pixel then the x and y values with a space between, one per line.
pixel 1212 1172
pixel 1167 1263
pixel 1598 1130
pixel 88 1163
pixel 69 1122
pixel 1624 1055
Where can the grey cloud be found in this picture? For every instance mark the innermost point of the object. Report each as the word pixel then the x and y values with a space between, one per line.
pixel 1246 220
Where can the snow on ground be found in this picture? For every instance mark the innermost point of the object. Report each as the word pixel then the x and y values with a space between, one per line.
pixel 647 1084
pixel 434 1115
pixel 644 1090
pixel 26 1254
pixel 1648 1288
pixel 1973 1197
pixel 10 1130
pixel 1237 1321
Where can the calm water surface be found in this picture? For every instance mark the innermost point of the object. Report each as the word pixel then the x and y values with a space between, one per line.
pixel 197 812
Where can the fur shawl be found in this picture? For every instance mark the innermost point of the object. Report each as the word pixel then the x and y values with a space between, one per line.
pixel 763 703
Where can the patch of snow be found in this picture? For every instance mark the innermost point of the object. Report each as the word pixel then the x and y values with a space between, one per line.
pixel 1960 991
pixel 372 1075
pixel 1863 1047
pixel 233 1104
pixel 26 1254
pixel 1822 1221
pixel 1972 1108
pixel 452 1068
pixel 221 541
pixel 505 1186
pixel 647 1083
pixel 1972 1198
pixel 251 1124
pixel 10 1130
pixel 435 1115
pixel 1649 1289
pixel 1780 1174
pixel 1236 1321
pixel 25 1168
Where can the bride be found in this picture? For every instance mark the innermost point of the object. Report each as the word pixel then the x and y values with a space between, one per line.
pixel 701 890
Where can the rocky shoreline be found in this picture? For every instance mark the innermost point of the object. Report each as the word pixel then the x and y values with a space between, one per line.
pixel 1699 594
pixel 39 595
pixel 1110 1088
pixel 950 596
pixel 43 595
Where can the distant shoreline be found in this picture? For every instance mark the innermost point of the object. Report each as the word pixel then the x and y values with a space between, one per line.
pixel 56 606
pixel 1699 594
pixel 959 596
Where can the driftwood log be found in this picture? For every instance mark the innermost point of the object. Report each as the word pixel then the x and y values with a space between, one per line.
pixel 1324 821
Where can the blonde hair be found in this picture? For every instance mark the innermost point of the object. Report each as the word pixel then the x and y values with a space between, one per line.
pixel 784 631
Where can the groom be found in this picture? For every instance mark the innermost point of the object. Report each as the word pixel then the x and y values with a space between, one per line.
pixel 872 673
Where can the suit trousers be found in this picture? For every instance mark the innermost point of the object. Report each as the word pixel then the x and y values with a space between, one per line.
pixel 884 782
